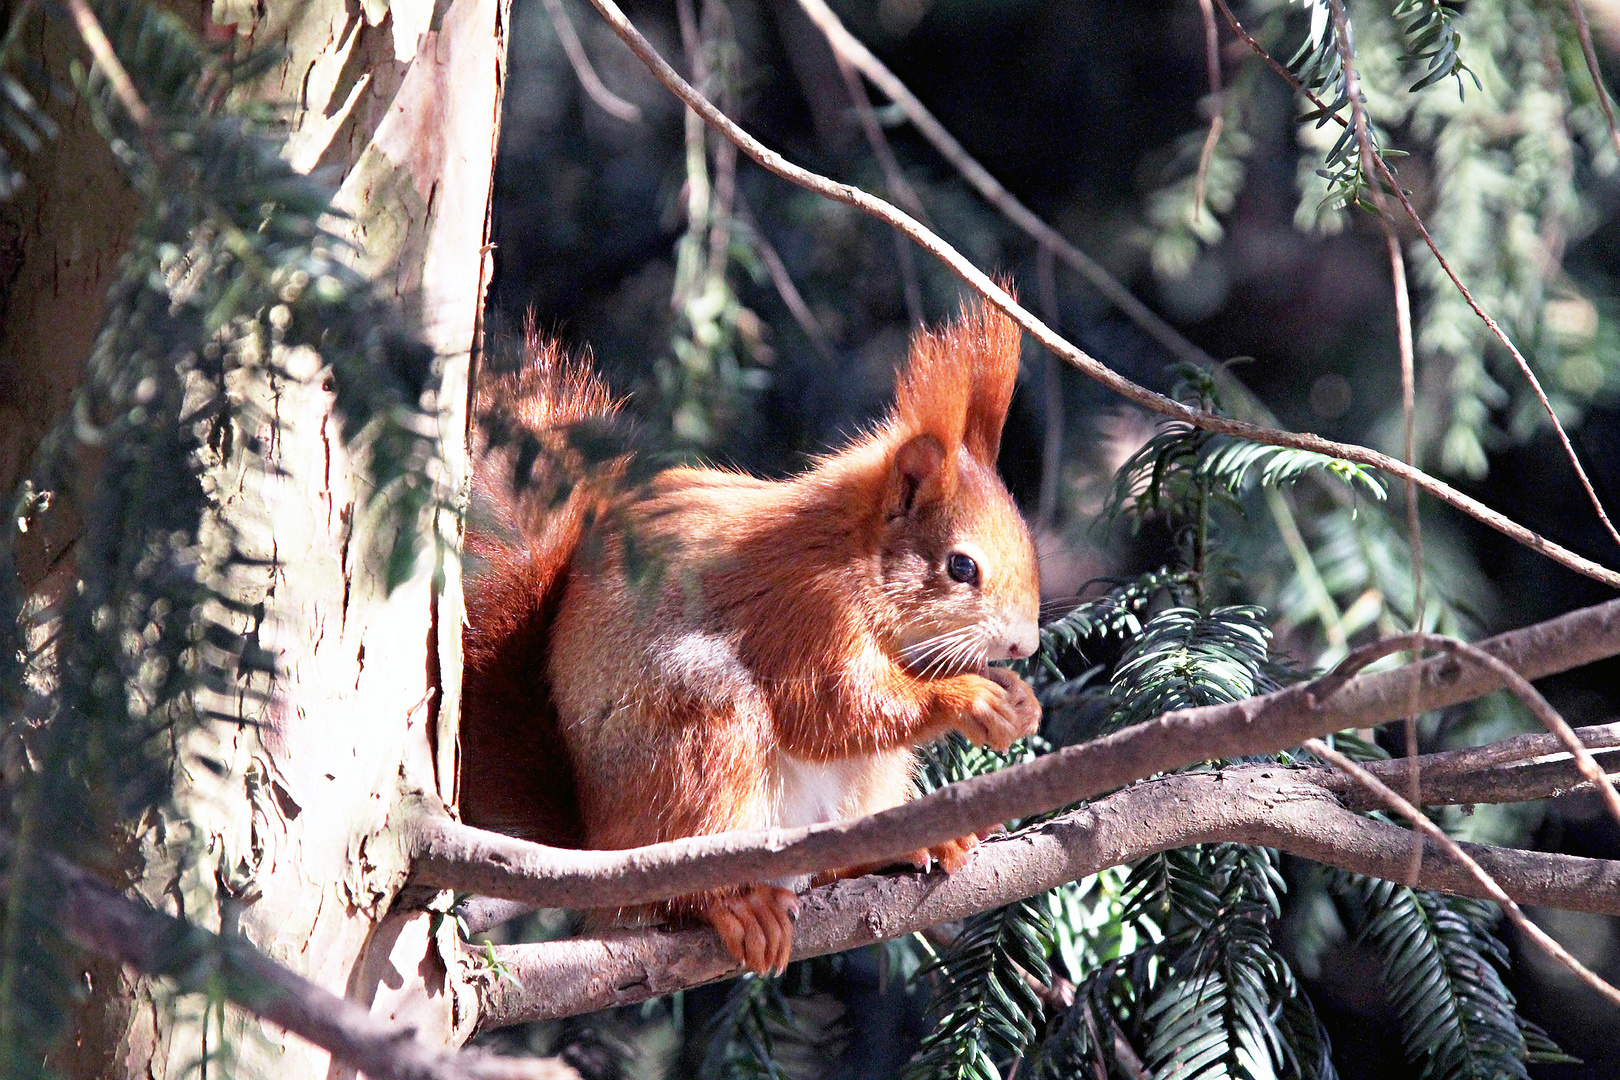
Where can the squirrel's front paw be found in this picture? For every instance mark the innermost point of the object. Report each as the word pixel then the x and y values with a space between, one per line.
pixel 1004 709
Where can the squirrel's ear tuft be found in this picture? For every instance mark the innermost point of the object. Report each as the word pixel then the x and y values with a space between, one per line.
pixel 958 383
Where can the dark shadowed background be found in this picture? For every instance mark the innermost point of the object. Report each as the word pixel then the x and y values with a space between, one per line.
pixel 1092 113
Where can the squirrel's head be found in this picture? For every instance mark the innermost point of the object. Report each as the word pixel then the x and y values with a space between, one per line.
pixel 958 565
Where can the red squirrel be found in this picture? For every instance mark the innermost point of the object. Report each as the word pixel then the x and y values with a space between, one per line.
pixel 708 651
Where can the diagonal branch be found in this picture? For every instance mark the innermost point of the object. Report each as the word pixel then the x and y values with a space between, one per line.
pixel 95 39
pixel 1273 806
pixel 894 178
pixel 104 921
pixel 982 283
pixel 447 854
pixel 848 46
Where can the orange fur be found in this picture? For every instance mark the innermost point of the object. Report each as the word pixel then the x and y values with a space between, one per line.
pixel 516 776
pixel 724 652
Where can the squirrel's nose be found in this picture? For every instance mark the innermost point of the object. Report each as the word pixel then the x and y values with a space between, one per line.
pixel 1023 641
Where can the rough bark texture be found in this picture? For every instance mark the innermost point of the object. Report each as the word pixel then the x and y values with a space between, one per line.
pixel 298 843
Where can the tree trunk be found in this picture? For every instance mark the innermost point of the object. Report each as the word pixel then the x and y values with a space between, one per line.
pixel 297 842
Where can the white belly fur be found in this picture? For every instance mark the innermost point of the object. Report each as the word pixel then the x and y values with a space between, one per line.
pixel 810 792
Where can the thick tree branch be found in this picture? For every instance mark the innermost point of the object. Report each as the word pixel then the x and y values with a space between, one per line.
pixel 1276 807
pixel 104 921
pixel 1515 684
pixel 1486 774
pixel 447 854
pixel 1471 759
pixel 1492 784
pixel 1095 369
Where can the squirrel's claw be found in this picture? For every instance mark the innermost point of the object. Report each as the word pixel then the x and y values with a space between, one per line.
pixel 952 855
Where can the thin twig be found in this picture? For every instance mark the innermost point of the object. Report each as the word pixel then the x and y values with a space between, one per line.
pixel 1000 298
pixel 1300 553
pixel 1388 176
pixel 1584 31
pixel 893 178
pixel 1414 523
pixel 95 39
pixel 777 271
pixel 1403 324
pixel 1513 350
pixel 1217 105
pixel 1421 822
pixel 574 49
pixel 846 44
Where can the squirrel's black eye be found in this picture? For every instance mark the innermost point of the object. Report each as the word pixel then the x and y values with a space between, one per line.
pixel 962 568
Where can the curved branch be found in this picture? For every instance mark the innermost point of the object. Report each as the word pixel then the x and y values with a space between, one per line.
pixel 1275 807
pixel 1095 369
pixel 447 854
pixel 580 61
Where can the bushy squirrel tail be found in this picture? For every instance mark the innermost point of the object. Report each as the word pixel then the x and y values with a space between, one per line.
pixel 537 479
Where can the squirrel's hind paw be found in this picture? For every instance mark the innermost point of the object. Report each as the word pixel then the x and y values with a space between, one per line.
pixel 950 856
pixel 755 925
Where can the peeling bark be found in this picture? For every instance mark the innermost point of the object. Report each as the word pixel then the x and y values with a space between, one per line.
pixel 299 843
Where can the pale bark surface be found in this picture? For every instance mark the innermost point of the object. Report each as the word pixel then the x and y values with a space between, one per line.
pixel 298 842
